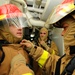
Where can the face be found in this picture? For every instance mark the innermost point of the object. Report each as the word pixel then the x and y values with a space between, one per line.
pixel 42 34
pixel 65 26
pixel 16 31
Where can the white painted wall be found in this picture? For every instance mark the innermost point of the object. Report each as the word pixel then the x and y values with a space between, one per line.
pixel 58 40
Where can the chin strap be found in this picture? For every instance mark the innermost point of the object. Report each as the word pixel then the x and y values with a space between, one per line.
pixel 72 50
pixel 2 58
pixel 3 42
pixel 3 54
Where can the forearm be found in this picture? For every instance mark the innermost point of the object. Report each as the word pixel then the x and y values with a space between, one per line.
pixel 44 59
pixel 19 67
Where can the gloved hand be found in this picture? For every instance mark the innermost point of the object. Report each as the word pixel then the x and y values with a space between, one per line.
pixel 44 45
pixel 27 44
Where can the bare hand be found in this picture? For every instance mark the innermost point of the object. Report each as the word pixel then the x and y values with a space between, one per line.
pixel 26 43
pixel 42 42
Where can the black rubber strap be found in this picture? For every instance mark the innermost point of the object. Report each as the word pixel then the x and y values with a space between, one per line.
pixel 3 54
pixel 57 70
pixel 2 58
pixel 69 67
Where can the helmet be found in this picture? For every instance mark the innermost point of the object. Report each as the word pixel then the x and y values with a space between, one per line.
pixel 62 10
pixel 11 13
pixel 7 10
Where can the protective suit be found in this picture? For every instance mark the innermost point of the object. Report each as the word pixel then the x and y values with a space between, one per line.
pixel 52 64
pixel 13 59
pixel 47 43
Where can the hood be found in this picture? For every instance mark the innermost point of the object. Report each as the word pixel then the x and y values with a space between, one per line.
pixel 43 30
pixel 69 36
pixel 7 36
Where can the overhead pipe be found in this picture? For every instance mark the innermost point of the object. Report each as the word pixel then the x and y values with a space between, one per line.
pixel 30 19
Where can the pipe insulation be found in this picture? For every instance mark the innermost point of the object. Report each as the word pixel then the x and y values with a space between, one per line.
pixel 31 21
pixel 4 2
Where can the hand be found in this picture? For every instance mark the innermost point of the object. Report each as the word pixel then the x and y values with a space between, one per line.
pixel 44 45
pixel 27 44
pixel 42 42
